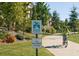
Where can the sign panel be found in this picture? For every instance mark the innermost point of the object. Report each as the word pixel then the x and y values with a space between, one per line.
pixel 36 43
pixel 36 26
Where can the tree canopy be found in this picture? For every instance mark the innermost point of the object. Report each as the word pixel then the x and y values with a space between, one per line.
pixel 73 19
pixel 41 12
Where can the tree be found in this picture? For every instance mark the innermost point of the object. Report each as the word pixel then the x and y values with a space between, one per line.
pixel 73 19
pixel 18 15
pixel 66 22
pixel 55 21
pixel 1 16
pixel 41 12
pixel 77 25
pixel 6 12
pixel 34 13
pixel 27 8
pixel 1 20
pixel 15 15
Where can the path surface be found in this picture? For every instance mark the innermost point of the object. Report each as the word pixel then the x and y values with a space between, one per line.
pixel 71 50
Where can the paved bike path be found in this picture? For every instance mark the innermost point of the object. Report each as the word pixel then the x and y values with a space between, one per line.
pixel 71 50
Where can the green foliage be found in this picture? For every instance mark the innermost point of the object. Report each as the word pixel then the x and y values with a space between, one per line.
pixel 1 20
pixel 19 37
pixel 26 36
pixel 52 30
pixel 6 13
pixel 20 12
pixel 15 15
pixel 41 12
pixel 47 30
pixel 28 26
pixel 65 29
pixel 55 21
pixel 77 25
pixel 73 18
pixel 3 35
pixel 66 22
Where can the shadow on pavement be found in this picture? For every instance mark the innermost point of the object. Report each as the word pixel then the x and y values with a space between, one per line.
pixel 54 46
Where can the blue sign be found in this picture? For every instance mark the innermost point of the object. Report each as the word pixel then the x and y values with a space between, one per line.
pixel 36 26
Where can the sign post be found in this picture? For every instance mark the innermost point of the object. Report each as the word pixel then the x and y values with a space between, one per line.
pixel 36 29
pixel 36 48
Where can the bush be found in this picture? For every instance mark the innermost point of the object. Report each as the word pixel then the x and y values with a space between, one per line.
pixel 2 35
pixel 28 29
pixel 7 38
pixel 0 41
pixel 26 36
pixel 19 37
pixel 47 31
pixel 52 30
pixel 10 38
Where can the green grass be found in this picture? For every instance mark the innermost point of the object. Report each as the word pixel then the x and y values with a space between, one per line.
pixel 30 35
pixel 73 37
pixel 23 48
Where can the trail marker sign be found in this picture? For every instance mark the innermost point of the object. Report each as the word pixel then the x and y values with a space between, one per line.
pixel 36 43
pixel 36 29
pixel 36 26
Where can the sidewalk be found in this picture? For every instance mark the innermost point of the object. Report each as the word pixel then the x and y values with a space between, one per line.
pixel 71 50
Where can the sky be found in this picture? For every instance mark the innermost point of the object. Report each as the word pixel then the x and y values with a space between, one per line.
pixel 63 8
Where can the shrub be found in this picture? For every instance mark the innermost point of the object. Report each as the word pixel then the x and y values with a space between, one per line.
pixel 52 30
pixel 19 37
pixel 0 40
pixel 2 35
pixel 28 29
pixel 10 38
pixel 47 31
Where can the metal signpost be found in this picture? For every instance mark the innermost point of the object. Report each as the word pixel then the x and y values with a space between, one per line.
pixel 36 29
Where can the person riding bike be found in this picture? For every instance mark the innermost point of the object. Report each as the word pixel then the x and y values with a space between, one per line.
pixel 65 40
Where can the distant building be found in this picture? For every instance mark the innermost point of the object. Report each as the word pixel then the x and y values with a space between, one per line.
pixel 29 12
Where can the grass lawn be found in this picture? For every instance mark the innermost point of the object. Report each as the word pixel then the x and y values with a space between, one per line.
pixel 34 36
pixel 74 37
pixel 23 48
